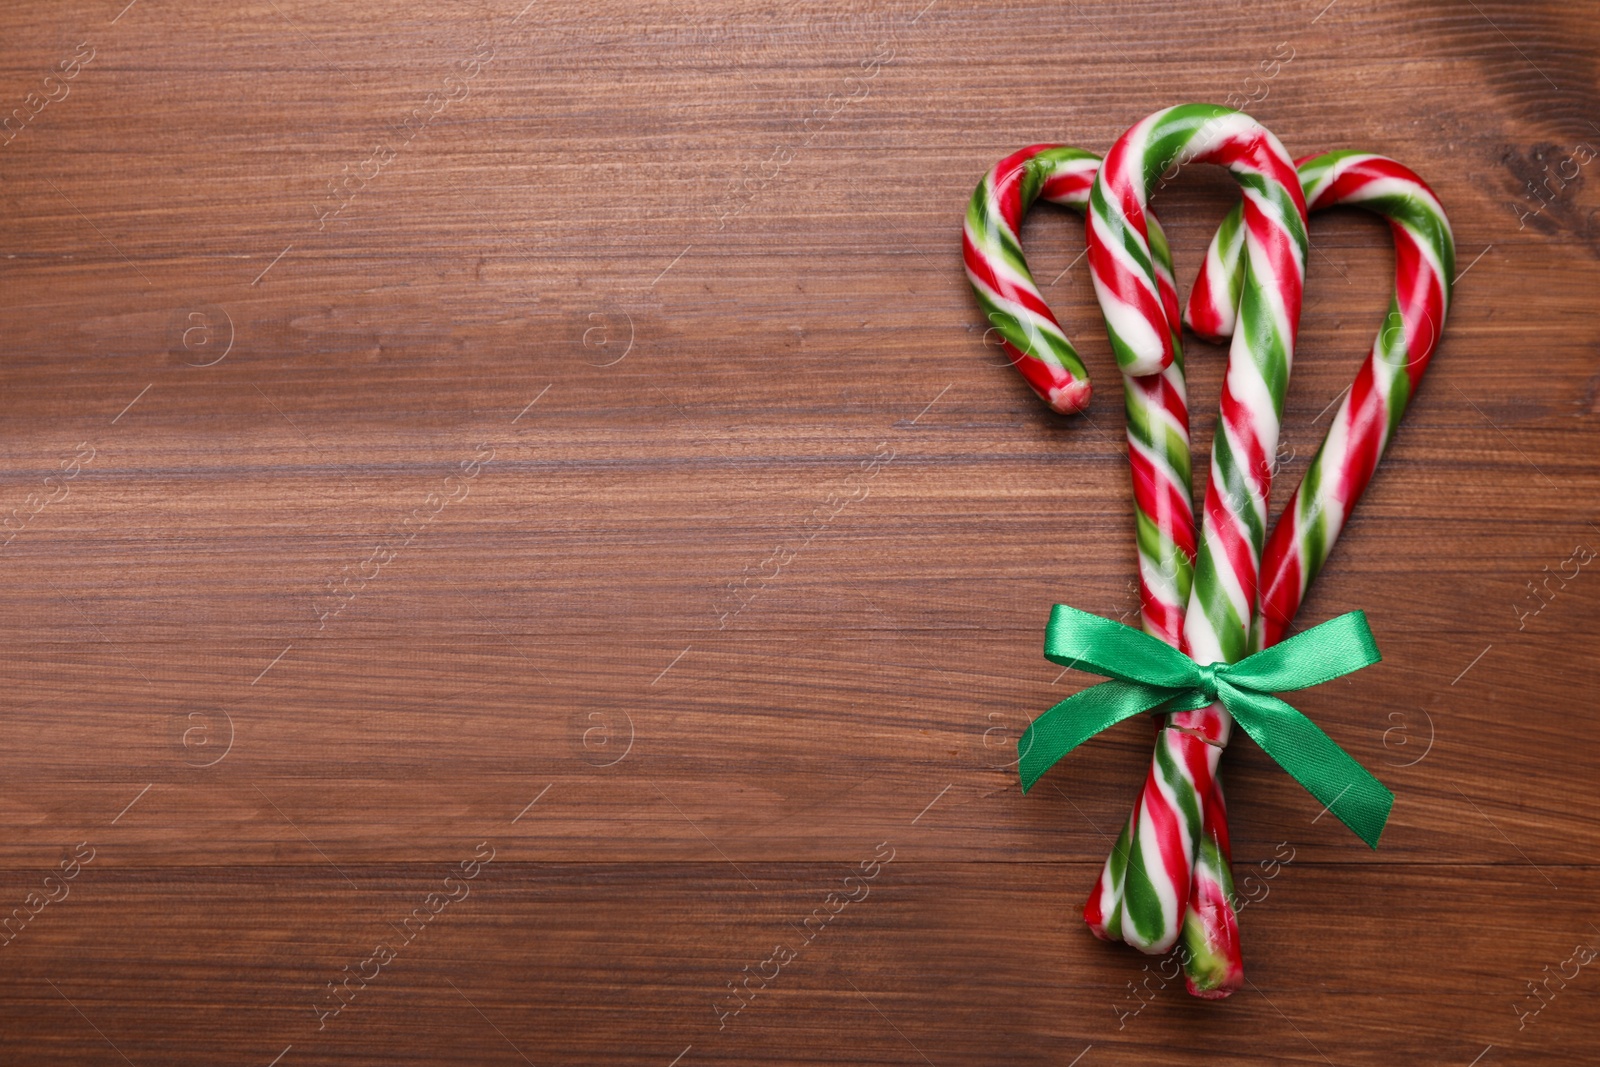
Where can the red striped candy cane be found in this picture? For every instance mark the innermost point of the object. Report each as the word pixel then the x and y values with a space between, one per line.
pixel 1157 408
pixel 1169 827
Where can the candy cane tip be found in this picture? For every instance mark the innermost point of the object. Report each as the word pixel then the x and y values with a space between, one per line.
pixel 1219 993
pixel 1071 398
pixel 1207 332
pixel 1159 947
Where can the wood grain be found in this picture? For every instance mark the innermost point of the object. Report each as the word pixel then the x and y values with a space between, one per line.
pixel 402 521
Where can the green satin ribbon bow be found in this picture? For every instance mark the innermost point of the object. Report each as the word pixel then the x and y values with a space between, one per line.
pixel 1152 676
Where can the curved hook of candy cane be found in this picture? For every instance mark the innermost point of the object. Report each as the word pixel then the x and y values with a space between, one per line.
pixel 1157 405
pixel 999 274
pixel 1370 411
pixel 1119 251
pixel 1296 550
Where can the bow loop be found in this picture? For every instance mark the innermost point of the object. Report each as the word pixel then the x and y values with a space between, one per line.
pixel 1340 646
pixel 1087 642
pixel 1151 676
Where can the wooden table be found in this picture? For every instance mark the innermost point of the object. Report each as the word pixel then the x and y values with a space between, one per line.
pixel 510 510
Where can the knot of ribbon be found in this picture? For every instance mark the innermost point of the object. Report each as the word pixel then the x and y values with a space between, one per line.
pixel 1150 676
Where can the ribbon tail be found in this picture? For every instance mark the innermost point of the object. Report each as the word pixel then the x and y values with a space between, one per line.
pixel 1313 758
pixel 1078 718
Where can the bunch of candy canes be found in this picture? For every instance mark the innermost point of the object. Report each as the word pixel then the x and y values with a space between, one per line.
pixel 1232 589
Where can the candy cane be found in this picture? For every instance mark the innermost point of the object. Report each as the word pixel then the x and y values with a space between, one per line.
pixel 1338 475
pixel 1157 425
pixel 1169 827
